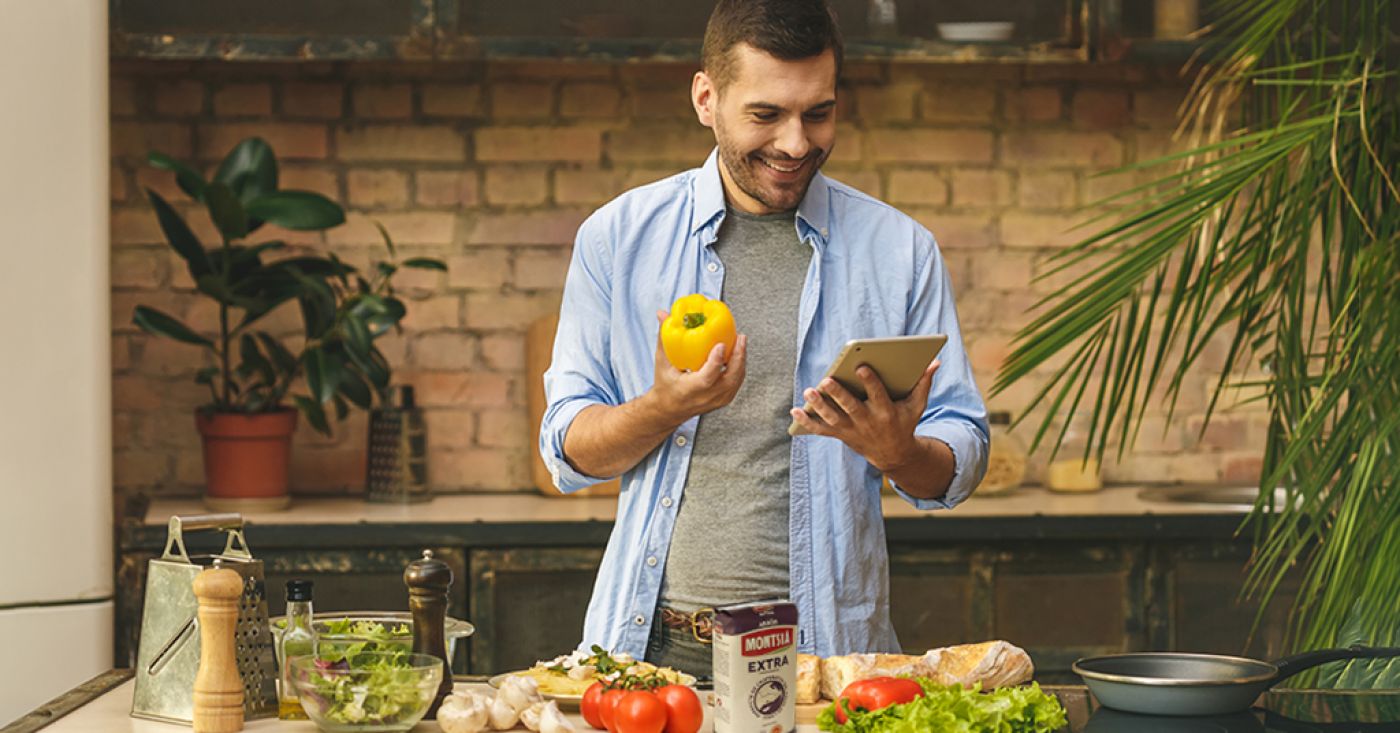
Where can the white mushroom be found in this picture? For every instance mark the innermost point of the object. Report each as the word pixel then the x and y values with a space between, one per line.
pixel 464 712
pixel 519 692
pixel 553 721
pixel 503 716
pixel 530 717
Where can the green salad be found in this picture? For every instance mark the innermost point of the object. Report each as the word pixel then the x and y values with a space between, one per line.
pixel 955 709
pixel 374 688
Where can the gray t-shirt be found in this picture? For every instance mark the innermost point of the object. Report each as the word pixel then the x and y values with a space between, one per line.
pixel 730 541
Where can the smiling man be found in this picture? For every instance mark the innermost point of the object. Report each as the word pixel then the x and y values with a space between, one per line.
pixel 719 505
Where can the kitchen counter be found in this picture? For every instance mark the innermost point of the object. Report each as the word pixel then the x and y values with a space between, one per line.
pixel 104 704
pixel 532 519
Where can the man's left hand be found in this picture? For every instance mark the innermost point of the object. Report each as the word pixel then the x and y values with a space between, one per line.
pixel 879 428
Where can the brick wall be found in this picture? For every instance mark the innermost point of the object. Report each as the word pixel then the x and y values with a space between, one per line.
pixel 492 167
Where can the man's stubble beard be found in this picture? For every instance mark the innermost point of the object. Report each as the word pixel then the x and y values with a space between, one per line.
pixel 737 163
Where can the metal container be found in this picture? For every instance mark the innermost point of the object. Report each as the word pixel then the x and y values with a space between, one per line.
pixel 396 471
pixel 168 657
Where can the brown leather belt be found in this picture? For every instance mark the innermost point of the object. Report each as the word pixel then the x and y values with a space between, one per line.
pixel 700 624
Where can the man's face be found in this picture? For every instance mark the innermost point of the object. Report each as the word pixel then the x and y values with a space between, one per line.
pixel 775 123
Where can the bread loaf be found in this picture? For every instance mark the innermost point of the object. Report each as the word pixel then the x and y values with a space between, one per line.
pixel 809 678
pixel 838 672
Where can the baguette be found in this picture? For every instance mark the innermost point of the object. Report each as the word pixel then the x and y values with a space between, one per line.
pixel 838 672
pixel 991 663
pixel 809 678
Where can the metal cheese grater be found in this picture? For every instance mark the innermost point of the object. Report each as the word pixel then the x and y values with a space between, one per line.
pixel 397 468
pixel 169 649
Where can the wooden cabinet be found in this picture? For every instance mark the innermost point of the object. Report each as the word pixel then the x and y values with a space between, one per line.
pixel 528 604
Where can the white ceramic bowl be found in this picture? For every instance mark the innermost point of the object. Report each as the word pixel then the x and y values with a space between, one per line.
pixel 963 32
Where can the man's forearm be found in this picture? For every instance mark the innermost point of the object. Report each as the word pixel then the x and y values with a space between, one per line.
pixel 928 470
pixel 607 440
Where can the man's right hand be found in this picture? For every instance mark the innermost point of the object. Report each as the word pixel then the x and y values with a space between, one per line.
pixel 682 395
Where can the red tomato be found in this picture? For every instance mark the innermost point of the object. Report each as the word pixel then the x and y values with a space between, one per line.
pixel 876 693
pixel 639 711
pixel 684 713
pixel 589 706
pixel 607 705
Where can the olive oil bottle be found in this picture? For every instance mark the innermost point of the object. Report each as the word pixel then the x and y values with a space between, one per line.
pixel 298 640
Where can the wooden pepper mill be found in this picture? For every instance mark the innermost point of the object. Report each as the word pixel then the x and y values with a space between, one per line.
pixel 218 688
pixel 428 580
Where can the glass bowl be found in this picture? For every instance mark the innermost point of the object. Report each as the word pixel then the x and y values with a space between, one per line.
pixel 396 634
pixel 367 692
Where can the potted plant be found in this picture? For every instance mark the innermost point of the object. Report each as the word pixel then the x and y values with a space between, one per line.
pixel 255 380
pixel 1280 239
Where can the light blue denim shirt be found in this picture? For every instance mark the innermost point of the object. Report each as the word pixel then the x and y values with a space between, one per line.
pixel 875 272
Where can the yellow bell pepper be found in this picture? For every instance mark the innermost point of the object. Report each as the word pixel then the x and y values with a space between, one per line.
pixel 695 325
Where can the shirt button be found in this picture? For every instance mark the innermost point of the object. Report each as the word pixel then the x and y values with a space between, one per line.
pixel 651 562
pixel 639 620
pixel 666 501
pixel 680 440
pixel 712 267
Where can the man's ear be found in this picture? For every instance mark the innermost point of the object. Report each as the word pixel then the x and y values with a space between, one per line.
pixel 704 96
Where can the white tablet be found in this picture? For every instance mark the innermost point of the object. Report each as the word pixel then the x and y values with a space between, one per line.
pixel 898 361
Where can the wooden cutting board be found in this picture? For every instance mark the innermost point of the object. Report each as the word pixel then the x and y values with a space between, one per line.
pixel 807 712
pixel 539 349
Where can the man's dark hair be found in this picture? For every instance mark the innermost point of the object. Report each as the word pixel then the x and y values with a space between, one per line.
pixel 787 29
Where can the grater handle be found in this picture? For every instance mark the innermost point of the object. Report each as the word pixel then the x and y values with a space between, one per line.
pixel 175 540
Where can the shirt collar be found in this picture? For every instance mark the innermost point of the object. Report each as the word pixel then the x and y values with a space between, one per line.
pixel 814 212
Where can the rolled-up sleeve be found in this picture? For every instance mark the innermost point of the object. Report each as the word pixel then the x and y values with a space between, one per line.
pixel 580 373
pixel 955 413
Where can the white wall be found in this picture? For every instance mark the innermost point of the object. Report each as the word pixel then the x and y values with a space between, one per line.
pixel 55 378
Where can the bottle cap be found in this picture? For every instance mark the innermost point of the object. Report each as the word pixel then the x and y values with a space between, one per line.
pixel 298 590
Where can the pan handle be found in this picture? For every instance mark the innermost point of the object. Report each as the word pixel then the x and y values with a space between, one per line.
pixel 1289 666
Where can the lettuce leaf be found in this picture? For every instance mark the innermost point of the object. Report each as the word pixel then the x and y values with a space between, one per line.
pixel 955 709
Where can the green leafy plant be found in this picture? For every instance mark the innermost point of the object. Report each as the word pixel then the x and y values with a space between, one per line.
pixel 343 311
pixel 1282 237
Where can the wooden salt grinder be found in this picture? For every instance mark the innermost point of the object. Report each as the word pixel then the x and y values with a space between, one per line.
pixel 428 580
pixel 218 688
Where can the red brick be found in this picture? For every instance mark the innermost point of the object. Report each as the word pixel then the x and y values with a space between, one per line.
pixel 328 470
pixel 189 469
pixel 453 100
pixel 660 103
pixel 121 97
pixel 135 226
pixel 958 103
pixel 957 231
pixel 434 313
pixel 1002 271
pixel 930 146
pixel 394 347
pixel 865 181
pixel 451 350
pixel 1079 149
pixel 503 352
pixel 508 311
pixel 136 139
pixel 1100 109
pixel 123 305
pixel 589 100
pixel 179 98
pixel 243 100
pixel 548 70
pixel 448 188
pixel 290 140
pixel 459 389
pixel 1153 144
pixel 1041 230
pixel 677 74
pixel 140 468
pixel 507 185
pixel 849 146
pixel 503 429
pixel 135 393
pixel 686 145
pixel 162 182
pixel 1046 190
pixel 383 101
pixel 138 268
pixel 1157 107
pixel 449 429
pixel 483 270
pixel 541 271
pixel 979 188
pixel 523 101
pixel 1098 188
pixel 167 357
pixel 1157 435
pixel 557 226
pixel 1243 469
pixel 917 187
pixel 376 188
pixel 894 102
pixel 117 190
pixel 588 185
pixel 417 227
pixel 986 355
pixel 527 144
pixel 480 469
pixel 309 179
pixel 426 143
pixel 319 100
pixel 641 176
pixel 1034 104
pixel 121 353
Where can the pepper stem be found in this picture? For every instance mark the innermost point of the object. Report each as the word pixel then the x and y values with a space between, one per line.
pixel 694 320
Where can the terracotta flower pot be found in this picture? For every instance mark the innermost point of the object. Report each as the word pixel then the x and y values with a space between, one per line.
pixel 246 459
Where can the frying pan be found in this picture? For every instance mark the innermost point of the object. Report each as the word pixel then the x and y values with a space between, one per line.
pixel 1170 683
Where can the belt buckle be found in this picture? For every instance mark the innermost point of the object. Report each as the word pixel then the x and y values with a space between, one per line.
pixel 703 618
